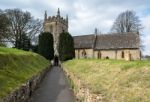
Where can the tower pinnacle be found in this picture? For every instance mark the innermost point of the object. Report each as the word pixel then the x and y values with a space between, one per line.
pixel 96 31
pixel 67 18
pixel 58 12
pixel 45 15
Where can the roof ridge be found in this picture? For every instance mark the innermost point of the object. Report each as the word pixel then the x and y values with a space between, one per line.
pixel 83 35
pixel 107 34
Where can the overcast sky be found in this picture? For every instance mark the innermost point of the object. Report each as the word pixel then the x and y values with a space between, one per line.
pixel 86 15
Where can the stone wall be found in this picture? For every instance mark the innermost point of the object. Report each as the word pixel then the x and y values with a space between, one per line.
pixel 24 92
pixel 128 54
pixel 82 93
pixel 79 53
pixel 111 54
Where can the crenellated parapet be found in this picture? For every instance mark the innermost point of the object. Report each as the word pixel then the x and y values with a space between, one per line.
pixel 57 18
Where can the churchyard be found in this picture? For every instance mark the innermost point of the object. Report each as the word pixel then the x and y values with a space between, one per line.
pixel 110 80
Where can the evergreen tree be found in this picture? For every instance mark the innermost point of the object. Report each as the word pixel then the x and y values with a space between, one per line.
pixel 24 43
pixel 45 47
pixel 66 46
pixel 34 48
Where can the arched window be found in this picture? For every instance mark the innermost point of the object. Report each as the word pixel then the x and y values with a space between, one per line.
pixel 130 57
pixel 99 55
pixel 107 57
pixel 63 29
pixel 84 54
pixel 78 53
pixel 122 54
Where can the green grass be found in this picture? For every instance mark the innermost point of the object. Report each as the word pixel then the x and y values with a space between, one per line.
pixel 16 67
pixel 116 80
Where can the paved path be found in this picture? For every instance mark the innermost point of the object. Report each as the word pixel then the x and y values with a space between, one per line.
pixel 54 88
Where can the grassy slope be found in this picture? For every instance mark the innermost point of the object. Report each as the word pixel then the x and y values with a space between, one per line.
pixel 16 67
pixel 119 81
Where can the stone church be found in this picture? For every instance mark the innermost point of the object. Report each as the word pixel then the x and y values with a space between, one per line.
pixel 108 46
pixel 101 46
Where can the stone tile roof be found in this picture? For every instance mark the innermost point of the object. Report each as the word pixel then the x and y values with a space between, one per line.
pixel 83 41
pixel 107 41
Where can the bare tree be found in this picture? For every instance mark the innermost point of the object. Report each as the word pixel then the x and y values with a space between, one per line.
pixel 4 27
pixel 22 23
pixel 127 22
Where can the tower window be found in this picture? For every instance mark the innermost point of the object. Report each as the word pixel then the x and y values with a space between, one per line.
pixel 63 29
pixel 51 29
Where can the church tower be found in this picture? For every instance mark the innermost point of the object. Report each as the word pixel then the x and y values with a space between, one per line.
pixel 55 25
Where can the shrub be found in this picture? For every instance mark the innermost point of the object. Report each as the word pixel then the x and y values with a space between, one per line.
pixel 45 47
pixel 66 46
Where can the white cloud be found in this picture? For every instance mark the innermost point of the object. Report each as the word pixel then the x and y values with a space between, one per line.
pixel 146 43
pixel 145 22
pixel 146 34
pixel 85 15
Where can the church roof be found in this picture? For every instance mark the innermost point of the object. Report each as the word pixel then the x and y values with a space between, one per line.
pixel 83 41
pixel 107 41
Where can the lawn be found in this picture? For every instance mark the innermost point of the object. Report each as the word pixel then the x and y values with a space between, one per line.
pixel 116 80
pixel 16 67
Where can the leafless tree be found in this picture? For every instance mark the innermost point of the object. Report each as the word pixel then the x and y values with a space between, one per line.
pixel 22 23
pixel 127 22
pixel 4 27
